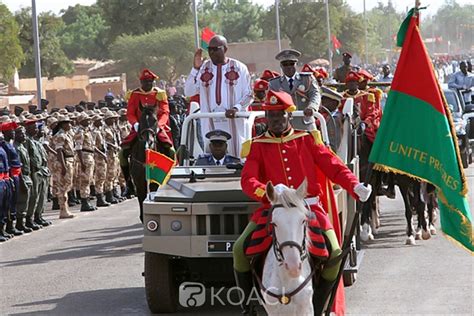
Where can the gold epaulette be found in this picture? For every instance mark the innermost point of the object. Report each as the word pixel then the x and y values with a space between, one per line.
pixel 161 95
pixel 318 140
pixel 128 94
pixel 244 152
pixel 371 97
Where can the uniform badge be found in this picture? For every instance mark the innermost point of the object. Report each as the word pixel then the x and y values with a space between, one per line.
pixel 285 300
pixel 273 100
pixel 301 88
pixel 303 99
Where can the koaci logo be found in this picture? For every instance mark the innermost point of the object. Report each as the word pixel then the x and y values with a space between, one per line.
pixel 192 294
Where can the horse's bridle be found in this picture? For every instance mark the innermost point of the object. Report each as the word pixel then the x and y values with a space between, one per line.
pixel 285 298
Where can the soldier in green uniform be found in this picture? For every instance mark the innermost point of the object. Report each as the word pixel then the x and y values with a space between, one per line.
pixel 341 72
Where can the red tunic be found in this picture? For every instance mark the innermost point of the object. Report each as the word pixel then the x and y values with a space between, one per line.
pixel 370 111
pixel 289 160
pixel 154 97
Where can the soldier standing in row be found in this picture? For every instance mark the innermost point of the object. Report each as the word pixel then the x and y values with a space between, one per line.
pixel 341 72
pixel 5 192
pixel 52 159
pixel 64 171
pixel 100 170
pixel 25 183
pixel 85 152
pixel 112 156
pixel 125 180
pixel 302 87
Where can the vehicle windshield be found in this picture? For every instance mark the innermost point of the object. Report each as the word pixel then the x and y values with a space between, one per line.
pixel 452 100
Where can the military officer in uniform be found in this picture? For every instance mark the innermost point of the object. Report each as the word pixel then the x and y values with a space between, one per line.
pixel 303 89
pixel 341 72
pixel 100 171
pixel 218 146
pixel 85 152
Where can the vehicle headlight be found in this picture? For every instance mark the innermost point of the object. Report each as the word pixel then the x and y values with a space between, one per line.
pixel 152 225
pixel 176 226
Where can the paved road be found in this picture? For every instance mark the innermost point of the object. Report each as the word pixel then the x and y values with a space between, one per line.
pixel 92 265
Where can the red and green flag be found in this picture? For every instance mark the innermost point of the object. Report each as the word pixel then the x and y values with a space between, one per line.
pixel 206 36
pixel 416 136
pixel 158 167
pixel 336 44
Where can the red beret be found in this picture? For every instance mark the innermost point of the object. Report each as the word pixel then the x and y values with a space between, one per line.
pixel 365 75
pixel 269 74
pixel 260 85
pixel 352 76
pixel 321 73
pixel 147 74
pixel 8 126
pixel 278 101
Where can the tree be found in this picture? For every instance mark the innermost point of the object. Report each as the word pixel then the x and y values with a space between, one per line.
pixel 85 32
pixel 304 24
pixel 11 54
pixel 168 52
pixel 53 60
pixel 141 16
pixel 237 20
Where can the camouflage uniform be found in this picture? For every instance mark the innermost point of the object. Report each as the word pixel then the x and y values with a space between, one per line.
pixel 112 142
pixel 100 172
pixel 85 146
pixel 63 141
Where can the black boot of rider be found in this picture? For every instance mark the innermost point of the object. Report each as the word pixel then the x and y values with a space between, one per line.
pixel 321 294
pixel 244 281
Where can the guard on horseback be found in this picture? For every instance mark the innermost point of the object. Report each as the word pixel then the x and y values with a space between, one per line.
pixel 146 97
pixel 284 156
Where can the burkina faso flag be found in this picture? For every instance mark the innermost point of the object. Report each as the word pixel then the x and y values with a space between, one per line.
pixel 206 36
pixel 158 167
pixel 417 137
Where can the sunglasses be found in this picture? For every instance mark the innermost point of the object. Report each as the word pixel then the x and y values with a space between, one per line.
pixel 214 49
pixel 288 63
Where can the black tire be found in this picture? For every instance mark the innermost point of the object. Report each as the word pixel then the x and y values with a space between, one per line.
pixel 464 159
pixel 160 284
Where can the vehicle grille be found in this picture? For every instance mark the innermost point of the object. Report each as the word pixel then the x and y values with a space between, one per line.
pixel 225 224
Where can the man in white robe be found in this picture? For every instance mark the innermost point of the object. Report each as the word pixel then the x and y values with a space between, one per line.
pixel 223 85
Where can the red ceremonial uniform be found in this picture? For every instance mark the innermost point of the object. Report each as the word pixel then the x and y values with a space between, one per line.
pixel 289 160
pixel 370 111
pixel 155 97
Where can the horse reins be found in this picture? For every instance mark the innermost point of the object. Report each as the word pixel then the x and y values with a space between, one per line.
pixel 277 249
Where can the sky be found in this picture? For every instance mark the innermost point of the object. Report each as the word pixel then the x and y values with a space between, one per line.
pixel 357 5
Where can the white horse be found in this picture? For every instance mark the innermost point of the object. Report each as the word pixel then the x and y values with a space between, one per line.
pixel 286 283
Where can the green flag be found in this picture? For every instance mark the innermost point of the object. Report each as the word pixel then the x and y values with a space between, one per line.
pixel 416 136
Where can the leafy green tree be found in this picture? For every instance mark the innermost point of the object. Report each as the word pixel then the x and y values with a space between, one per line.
pixel 168 52
pixel 304 24
pixel 53 60
pixel 85 32
pixel 237 20
pixel 136 17
pixel 11 54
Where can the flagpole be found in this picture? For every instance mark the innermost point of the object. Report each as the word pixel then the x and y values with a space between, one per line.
pixel 196 25
pixel 277 16
pixel 366 44
pixel 146 177
pixel 36 49
pixel 329 38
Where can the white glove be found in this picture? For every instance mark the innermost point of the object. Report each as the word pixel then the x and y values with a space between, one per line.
pixel 135 126
pixel 363 192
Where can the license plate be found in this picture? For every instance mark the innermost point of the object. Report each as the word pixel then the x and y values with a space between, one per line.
pixel 220 246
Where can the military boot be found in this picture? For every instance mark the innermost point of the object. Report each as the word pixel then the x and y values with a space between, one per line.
pixel 321 294
pixel 63 214
pixel 109 197
pixel 21 226
pixel 41 221
pixel 3 233
pixel 71 199
pixel 10 229
pixel 244 281
pixel 129 190
pixel 117 196
pixel 92 189
pixel 101 202
pixel 55 205
pixel 86 206
pixel 77 194
pixel 31 224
